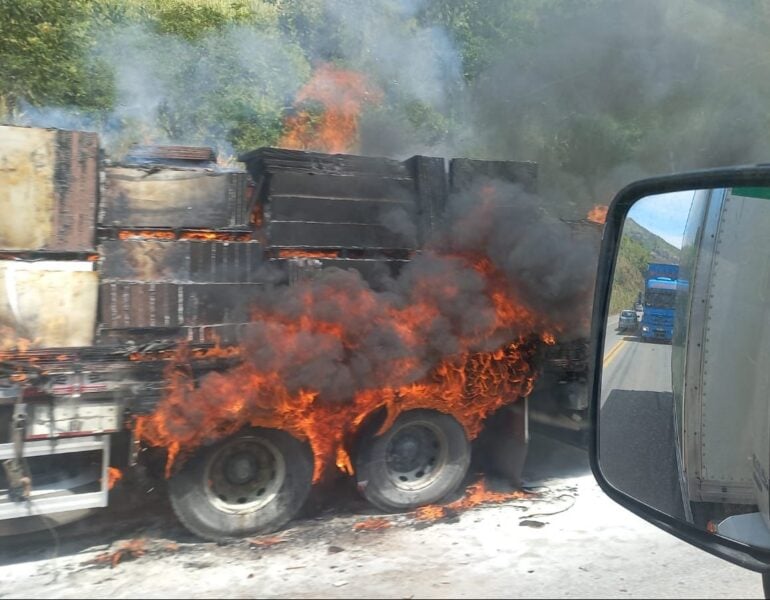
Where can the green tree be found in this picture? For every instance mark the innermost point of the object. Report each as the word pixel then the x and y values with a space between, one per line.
pixel 45 56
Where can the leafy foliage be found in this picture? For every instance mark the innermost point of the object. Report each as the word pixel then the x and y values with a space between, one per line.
pixel 44 52
pixel 638 246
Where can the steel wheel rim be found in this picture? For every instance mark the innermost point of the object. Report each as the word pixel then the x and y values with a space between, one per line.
pixel 244 475
pixel 415 455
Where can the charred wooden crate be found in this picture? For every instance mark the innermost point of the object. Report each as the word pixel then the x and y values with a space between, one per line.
pixel 165 337
pixel 47 304
pixel 131 304
pixel 181 261
pixel 312 200
pixel 49 186
pixel 153 196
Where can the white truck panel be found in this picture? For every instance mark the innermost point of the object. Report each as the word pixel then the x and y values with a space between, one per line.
pixel 737 308
pixel 47 304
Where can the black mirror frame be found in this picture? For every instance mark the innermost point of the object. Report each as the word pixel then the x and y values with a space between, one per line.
pixel 754 175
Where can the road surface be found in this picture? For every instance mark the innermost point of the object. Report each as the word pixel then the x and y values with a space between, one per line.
pixel 630 364
pixel 576 543
pixel 636 423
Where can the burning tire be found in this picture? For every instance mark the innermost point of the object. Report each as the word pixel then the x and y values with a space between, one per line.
pixel 251 483
pixel 420 460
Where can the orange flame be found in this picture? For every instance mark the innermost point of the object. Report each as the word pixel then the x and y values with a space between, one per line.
pixel 146 234
pixel 215 236
pixel 292 253
pixel 341 95
pixel 167 235
pixel 324 321
pixel 374 524
pixel 469 385
pixel 114 475
pixel 475 495
pixel 266 542
pixel 131 549
pixel 10 340
pixel 343 461
pixel 598 214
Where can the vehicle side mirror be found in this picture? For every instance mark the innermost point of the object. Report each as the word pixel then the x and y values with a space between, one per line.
pixel 681 403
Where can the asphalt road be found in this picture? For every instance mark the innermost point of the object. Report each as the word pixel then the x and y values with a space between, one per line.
pixel 636 421
pixel 630 364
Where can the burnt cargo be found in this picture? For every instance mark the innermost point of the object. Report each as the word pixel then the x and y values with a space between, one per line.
pixel 181 261
pixel 131 304
pixel 47 304
pixel 429 173
pixel 136 197
pixel 311 200
pixel 49 184
pixel 301 234
pixel 274 160
pixel 166 337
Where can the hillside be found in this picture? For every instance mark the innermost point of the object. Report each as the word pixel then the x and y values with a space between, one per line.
pixel 638 247
pixel 660 249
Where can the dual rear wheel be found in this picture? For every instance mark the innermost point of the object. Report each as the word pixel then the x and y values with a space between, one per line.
pixel 256 481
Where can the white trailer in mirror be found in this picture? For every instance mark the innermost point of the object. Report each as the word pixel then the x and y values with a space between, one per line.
pixel 721 363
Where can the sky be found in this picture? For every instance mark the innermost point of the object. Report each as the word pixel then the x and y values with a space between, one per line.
pixel 664 215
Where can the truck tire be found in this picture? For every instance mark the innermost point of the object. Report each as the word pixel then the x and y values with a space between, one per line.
pixel 251 483
pixel 420 460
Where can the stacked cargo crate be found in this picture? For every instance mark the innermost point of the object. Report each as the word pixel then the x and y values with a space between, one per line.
pixel 48 192
pixel 179 258
pixel 345 211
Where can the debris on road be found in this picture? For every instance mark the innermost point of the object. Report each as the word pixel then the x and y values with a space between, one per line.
pixel 266 542
pixel 132 550
pixel 375 524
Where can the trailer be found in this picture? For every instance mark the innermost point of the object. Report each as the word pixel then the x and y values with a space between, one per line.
pixel 722 470
pixel 119 279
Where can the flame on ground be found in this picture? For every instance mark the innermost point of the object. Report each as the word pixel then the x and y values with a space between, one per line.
pixel 598 214
pixel 340 95
pixel 130 549
pixel 266 542
pixel 475 495
pixel 374 524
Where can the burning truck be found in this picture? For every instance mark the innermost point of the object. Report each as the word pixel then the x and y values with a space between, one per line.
pixel 262 328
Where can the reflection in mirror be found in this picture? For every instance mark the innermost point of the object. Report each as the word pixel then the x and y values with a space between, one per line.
pixel 684 421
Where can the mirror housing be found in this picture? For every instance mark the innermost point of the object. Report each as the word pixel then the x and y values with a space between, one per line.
pixel 753 556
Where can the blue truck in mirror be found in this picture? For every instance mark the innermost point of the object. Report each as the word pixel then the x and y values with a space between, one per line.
pixel 660 285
